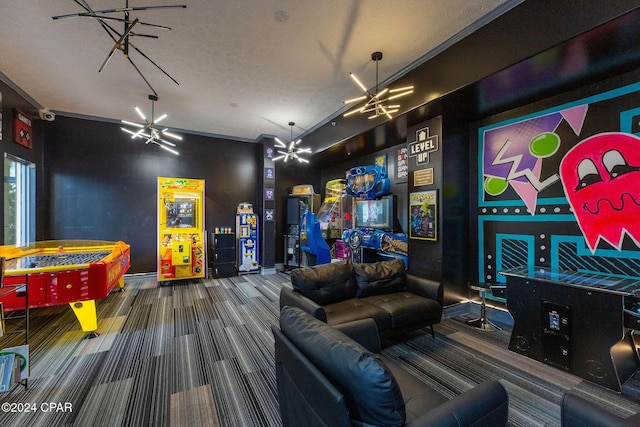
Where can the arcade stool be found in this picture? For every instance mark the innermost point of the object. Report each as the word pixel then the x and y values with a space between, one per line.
pixel 482 322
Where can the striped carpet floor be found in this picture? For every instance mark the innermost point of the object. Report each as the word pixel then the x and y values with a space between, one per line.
pixel 201 353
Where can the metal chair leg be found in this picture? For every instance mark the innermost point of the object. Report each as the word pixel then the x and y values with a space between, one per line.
pixel 482 322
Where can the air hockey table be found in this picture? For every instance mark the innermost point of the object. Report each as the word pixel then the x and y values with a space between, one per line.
pixel 58 272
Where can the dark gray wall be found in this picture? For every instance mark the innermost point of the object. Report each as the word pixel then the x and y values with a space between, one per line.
pixel 104 184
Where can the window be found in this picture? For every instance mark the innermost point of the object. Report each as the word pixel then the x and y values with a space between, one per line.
pixel 19 201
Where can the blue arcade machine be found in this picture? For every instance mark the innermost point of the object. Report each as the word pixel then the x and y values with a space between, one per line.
pixel 247 260
pixel 312 243
pixel 374 216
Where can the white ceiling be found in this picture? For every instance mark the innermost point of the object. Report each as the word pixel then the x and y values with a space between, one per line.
pixel 243 71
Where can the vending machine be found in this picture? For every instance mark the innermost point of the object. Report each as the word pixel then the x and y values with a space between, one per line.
pixel 247 246
pixel 301 199
pixel 181 234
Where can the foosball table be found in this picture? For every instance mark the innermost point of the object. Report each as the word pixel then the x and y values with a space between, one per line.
pixel 57 272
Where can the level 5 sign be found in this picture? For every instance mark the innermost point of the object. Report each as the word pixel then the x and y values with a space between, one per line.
pixel 423 146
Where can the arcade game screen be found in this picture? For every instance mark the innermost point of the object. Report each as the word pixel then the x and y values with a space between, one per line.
pixel 181 213
pixel 374 214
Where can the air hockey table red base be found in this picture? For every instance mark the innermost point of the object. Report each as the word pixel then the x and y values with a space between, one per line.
pixel 57 272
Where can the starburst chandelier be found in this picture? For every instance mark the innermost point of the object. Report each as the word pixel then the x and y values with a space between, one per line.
pixel 376 101
pixel 148 130
pixel 122 40
pixel 293 150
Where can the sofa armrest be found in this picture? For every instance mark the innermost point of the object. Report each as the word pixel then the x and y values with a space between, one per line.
pixel 364 332
pixel 578 412
pixel 292 298
pixel 305 395
pixel 425 287
pixel 484 405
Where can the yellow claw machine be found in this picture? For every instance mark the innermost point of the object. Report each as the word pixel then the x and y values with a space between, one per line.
pixel 181 234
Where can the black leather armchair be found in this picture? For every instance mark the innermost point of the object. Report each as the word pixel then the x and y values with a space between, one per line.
pixel 326 378
pixel 578 412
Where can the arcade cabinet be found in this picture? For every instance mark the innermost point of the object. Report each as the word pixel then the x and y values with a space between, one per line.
pixel 315 249
pixel 302 198
pixel 247 260
pixel 181 233
pixel 376 234
pixel 335 216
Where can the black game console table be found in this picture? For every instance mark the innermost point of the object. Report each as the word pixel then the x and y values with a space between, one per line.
pixel 579 322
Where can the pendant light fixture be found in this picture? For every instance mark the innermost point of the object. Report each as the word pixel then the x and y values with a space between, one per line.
pixel 122 40
pixel 376 101
pixel 148 130
pixel 293 150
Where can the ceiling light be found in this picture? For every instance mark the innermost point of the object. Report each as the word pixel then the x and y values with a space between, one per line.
pixel 122 40
pixel 292 148
pixel 148 130
pixel 375 101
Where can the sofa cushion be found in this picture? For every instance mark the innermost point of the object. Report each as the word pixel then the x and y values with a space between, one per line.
pixel 406 309
pixel 371 391
pixel 379 277
pixel 419 397
pixel 325 283
pixel 356 309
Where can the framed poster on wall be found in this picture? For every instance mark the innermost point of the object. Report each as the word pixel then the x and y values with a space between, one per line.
pixel 402 165
pixel 423 207
pixel 22 131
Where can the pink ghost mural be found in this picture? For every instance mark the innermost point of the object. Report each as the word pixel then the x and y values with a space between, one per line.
pixel 601 179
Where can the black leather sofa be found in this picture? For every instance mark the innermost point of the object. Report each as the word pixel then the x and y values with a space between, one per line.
pixel 578 412
pixel 326 378
pixel 342 292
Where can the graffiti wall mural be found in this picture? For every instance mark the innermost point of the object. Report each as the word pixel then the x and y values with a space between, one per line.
pixel 560 188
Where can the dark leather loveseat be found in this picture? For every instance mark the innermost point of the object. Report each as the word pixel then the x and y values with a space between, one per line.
pixel 341 292
pixel 326 378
